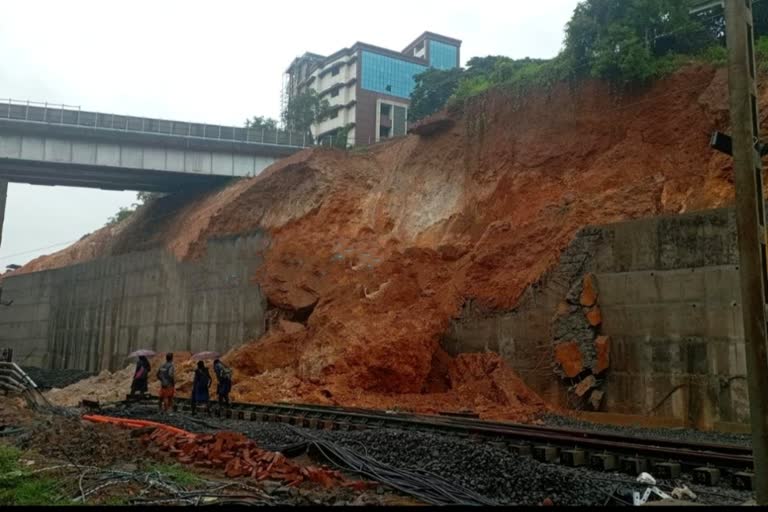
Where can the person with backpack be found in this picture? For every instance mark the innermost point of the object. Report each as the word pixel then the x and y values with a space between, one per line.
pixel 200 386
pixel 167 383
pixel 224 384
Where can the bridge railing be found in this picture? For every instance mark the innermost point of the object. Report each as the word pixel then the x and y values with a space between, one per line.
pixel 74 116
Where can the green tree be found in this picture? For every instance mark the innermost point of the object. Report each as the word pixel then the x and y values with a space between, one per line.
pixel 623 40
pixel 485 66
pixel 435 87
pixel 340 139
pixel 126 211
pixel 432 90
pixel 261 122
pixel 304 110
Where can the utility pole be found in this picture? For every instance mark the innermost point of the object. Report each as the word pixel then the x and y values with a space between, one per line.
pixel 750 219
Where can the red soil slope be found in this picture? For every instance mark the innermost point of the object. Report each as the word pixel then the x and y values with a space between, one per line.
pixel 384 245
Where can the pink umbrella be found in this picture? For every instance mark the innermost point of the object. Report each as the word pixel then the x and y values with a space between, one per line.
pixel 142 352
pixel 203 356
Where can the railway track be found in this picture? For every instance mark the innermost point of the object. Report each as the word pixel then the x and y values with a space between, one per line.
pixel 605 451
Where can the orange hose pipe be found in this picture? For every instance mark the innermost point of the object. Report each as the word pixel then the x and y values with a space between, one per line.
pixel 134 423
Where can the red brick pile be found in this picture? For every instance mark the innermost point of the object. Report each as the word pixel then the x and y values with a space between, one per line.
pixel 241 457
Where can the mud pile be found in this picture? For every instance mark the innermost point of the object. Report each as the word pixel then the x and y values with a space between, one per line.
pixel 373 252
pixel 104 387
pixel 114 386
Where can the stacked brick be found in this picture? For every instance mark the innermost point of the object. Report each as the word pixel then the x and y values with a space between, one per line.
pixel 239 457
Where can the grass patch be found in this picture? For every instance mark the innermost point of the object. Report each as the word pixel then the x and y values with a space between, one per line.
pixel 20 487
pixel 38 491
pixel 176 473
pixel 715 55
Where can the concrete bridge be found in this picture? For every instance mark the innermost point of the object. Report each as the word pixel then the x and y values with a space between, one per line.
pixel 44 145
pixel 59 145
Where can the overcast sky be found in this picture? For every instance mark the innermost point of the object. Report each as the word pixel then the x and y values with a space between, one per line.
pixel 211 62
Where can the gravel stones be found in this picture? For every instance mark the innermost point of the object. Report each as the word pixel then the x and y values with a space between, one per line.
pixel 659 433
pixel 48 379
pixel 489 469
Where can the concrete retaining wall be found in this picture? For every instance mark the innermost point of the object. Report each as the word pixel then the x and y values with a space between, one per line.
pixel 670 300
pixel 90 316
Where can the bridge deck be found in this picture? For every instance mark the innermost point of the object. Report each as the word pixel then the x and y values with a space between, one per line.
pixel 41 144
pixel 61 115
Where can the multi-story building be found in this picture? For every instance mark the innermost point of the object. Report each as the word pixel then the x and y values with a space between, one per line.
pixel 368 87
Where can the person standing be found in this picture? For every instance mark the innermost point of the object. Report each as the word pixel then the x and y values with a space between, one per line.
pixel 200 386
pixel 224 382
pixel 141 376
pixel 167 383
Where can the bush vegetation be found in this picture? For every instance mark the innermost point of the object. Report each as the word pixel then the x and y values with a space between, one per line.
pixel 622 41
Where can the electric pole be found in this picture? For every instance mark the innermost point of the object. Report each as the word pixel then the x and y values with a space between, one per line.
pixel 750 220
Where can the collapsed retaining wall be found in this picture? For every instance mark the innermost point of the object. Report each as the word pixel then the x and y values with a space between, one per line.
pixel 669 304
pixel 91 315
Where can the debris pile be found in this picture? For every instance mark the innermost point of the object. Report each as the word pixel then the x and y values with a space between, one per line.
pixel 114 386
pixel 483 383
pixel 105 387
pixel 81 443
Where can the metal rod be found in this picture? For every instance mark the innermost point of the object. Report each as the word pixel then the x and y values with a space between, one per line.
pixel 750 220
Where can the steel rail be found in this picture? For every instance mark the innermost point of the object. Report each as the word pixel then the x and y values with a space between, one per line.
pixel 690 454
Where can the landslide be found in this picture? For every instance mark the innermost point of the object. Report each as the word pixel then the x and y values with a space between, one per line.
pixel 372 252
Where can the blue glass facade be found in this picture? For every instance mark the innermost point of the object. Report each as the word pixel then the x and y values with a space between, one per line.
pixel 441 55
pixel 388 75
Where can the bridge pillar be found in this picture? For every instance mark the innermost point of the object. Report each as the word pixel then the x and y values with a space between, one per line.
pixel 3 196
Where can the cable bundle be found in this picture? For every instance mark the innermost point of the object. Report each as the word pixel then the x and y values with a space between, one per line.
pixel 425 486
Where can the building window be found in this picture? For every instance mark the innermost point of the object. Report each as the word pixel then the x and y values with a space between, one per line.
pixel 335 71
pixel 441 55
pixel 399 121
pixel 392 120
pixel 335 92
pixel 389 75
